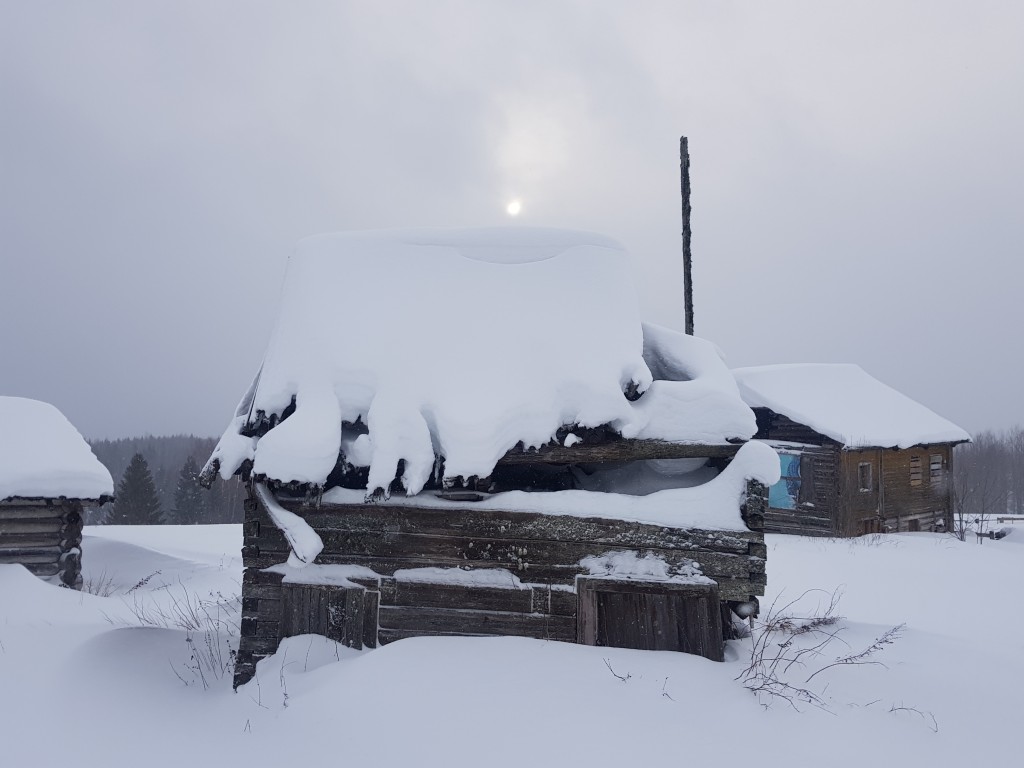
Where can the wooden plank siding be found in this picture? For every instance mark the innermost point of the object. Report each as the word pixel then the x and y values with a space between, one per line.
pixel 542 551
pixel 44 535
pixel 816 517
pixel 628 614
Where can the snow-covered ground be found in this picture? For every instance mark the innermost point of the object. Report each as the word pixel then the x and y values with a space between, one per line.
pixel 113 680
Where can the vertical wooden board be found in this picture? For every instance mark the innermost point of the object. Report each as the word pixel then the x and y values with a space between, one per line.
pixel 586 615
pixel 540 598
pixel 668 629
pixel 371 618
pixel 320 602
pixel 334 612
pixel 348 616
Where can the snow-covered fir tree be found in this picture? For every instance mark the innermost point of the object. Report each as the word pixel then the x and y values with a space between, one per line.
pixel 137 502
pixel 190 505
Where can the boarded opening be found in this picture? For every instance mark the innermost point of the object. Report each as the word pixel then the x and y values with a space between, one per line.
pixel 653 616
pixel 915 470
pixel 870 525
pixel 347 615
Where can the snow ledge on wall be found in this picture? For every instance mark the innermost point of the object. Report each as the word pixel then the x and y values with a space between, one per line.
pixel 714 505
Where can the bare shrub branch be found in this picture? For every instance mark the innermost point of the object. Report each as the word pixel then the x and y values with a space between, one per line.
pixel 784 642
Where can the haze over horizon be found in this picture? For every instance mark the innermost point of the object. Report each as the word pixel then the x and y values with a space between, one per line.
pixel 857 178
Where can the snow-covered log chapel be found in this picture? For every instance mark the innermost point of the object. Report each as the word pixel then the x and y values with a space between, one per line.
pixel 472 432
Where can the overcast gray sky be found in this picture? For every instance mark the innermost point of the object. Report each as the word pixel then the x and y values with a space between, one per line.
pixel 857 177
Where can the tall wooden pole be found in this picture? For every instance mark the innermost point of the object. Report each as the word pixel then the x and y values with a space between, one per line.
pixel 684 187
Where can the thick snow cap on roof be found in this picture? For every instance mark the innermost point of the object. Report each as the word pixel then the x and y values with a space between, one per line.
pixel 43 456
pixel 843 402
pixel 461 344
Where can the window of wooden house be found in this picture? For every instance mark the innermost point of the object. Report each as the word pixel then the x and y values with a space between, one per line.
pixel 915 470
pixel 935 467
pixel 864 475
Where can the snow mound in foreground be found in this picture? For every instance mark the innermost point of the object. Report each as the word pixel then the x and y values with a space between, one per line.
pixel 454 699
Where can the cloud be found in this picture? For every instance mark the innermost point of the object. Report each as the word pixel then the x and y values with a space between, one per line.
pixel 855 167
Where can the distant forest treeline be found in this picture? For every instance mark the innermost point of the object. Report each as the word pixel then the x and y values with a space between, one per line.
pixel 166 456
pixel 988 477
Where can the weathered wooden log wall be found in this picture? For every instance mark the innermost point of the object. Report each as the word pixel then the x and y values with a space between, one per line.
pixel 542 551
pixel 905 494
pixel 44 535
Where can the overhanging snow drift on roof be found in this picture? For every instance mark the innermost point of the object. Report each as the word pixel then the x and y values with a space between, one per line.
pixel 463 344
pixel 43 456
pixel 843 402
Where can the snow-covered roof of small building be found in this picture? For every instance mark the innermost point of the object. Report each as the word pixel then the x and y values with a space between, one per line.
pixel 463 344
pixel 843 402
pixel 43 456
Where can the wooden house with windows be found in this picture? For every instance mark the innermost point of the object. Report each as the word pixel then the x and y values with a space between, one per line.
pixel 856 456
pixel 472 433
pixel 47 473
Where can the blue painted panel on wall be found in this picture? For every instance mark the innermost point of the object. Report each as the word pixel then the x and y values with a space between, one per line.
pixel 784 494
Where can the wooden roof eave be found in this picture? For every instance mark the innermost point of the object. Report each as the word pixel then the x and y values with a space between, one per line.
pixel 915 446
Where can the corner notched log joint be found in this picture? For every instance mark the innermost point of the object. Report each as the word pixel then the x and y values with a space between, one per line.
pixel 45 536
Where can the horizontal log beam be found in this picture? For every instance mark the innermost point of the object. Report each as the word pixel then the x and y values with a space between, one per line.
pixel 517 555
pixel 490 523
pixel 462 622
pixel 43 570
pixel 34 512
pixel 31 525
pixel 27 541
pixel 615 450
pixel 29 555
pixel 411 593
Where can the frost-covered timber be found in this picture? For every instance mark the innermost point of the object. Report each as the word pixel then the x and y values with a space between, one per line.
pixel 503 383
pixel 47 471
pixel 857 456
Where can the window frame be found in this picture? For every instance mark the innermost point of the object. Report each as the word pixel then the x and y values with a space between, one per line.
pixel 868 486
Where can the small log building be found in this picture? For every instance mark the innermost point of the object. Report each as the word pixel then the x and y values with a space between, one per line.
pixel 47 473
pixel 588 485
pixel 857 457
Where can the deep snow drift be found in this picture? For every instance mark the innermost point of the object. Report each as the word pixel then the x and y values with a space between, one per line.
pixel 115 680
